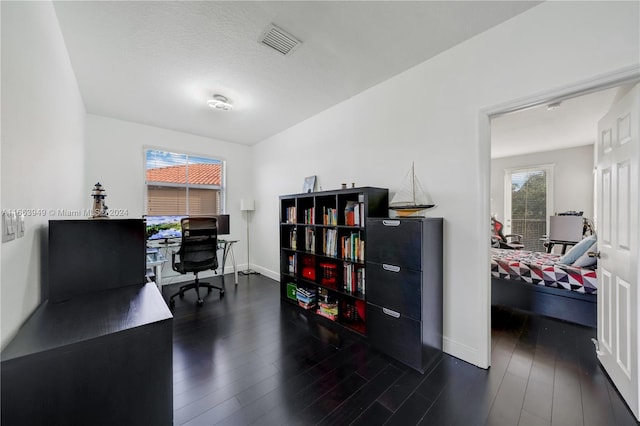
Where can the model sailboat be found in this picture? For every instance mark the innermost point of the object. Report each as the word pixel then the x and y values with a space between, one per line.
pixel 411 198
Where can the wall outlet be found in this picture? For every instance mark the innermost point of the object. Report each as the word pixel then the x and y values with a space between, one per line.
pixel 9 220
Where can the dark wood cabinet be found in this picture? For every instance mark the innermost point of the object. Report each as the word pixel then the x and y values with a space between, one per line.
pixel 323 246
pixel 99 350
pixel 100 358
pixel 404 288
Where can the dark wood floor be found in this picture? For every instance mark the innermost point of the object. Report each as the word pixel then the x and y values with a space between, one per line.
pixel 248 360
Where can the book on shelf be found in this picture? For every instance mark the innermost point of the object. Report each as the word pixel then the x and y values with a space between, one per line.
pixel 329 242
pixel 328 310
pixel 329 216
pixel 293 263
pixel 309 215
pixel 306 298
pixel 353 278
pixel 293 239
pixel 310 240
pixel 290 214
pixel 352 247
pixel 354 214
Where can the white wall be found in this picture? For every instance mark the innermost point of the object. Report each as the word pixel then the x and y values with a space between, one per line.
pixel 572 178
pixel 42 147
pixel 115 158
pixel 432 118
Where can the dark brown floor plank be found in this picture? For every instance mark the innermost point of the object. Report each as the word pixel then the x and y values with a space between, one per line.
pixel 248 359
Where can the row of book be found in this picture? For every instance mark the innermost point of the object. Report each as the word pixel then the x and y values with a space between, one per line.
pixel 353 278
pixel 309 216
pixel 290 215
pixel 293 263
pixel 329 216
pixel 310 240
pixel 354 214
pixel 325 303
pixel 330 242
pixel 352 247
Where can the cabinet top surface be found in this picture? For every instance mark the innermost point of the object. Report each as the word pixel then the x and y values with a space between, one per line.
pixel 407 218
pixel 88 316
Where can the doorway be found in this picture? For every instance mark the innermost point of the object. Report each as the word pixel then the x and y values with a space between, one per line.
pixel 619 82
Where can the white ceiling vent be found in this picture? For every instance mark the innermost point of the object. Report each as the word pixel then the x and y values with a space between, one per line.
pixel 278 39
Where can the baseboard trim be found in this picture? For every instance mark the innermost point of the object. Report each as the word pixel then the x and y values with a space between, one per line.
pixel 462 351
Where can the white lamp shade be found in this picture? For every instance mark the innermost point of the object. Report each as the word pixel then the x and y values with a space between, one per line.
pixel 247 205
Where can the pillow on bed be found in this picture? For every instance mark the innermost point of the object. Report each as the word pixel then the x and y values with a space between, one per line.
pixel 584 260
pixel 578 250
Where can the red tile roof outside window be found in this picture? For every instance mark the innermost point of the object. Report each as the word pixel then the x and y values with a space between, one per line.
pixel 199 174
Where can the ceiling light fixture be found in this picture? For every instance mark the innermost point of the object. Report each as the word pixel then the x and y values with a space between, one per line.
pixel 220 102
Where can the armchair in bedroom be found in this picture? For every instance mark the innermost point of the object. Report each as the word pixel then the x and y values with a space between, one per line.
pixel 499 240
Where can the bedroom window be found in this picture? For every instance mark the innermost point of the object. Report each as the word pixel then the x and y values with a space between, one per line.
pixel 528 203
pixel 183 184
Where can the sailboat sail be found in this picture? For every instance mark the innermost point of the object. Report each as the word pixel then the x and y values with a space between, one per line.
pixel 411 196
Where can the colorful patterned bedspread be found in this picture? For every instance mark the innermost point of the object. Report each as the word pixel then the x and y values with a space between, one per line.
pixel 541 269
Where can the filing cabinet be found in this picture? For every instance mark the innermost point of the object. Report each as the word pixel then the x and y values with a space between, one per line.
pixel 404 288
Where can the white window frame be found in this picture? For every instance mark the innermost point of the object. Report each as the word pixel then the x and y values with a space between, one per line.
pixel 223 176
pixel 509 172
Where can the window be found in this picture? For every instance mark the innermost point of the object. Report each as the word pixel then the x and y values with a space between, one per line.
pixel 528 203
pixel 183 184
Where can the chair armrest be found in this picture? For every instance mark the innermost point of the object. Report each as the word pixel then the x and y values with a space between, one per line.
pixel 173 260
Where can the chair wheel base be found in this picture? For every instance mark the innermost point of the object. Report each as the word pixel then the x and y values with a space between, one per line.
pixel 200 302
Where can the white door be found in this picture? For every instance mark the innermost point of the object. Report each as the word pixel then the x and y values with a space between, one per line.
pixel 617 228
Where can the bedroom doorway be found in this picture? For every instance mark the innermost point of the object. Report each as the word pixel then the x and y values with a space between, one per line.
pixel 622 82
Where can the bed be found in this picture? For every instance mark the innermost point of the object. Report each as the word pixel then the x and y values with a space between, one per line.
pixel 542 283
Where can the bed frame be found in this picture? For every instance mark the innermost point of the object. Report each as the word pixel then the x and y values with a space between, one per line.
pixel 552 302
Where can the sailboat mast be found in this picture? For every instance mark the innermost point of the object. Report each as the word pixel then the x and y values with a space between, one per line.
pixel 413 183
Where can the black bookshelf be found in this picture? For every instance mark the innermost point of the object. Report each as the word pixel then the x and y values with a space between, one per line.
pixel 323 248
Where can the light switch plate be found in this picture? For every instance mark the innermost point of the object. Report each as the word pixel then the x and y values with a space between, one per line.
pixel 20 226
pixel 8 226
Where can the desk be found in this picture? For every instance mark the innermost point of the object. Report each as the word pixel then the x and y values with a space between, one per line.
pixel 156 260
pixel 227 248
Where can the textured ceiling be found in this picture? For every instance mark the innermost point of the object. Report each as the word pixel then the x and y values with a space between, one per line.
pixel 157 63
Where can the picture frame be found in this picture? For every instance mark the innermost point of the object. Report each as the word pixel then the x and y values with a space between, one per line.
pixel 309 184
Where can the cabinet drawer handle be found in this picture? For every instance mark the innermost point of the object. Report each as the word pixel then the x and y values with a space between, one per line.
pixel 387 222
pixel 391 313
pixel 390 268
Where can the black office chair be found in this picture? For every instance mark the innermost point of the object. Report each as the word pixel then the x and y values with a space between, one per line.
pixel 499 240
pixel 198 252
